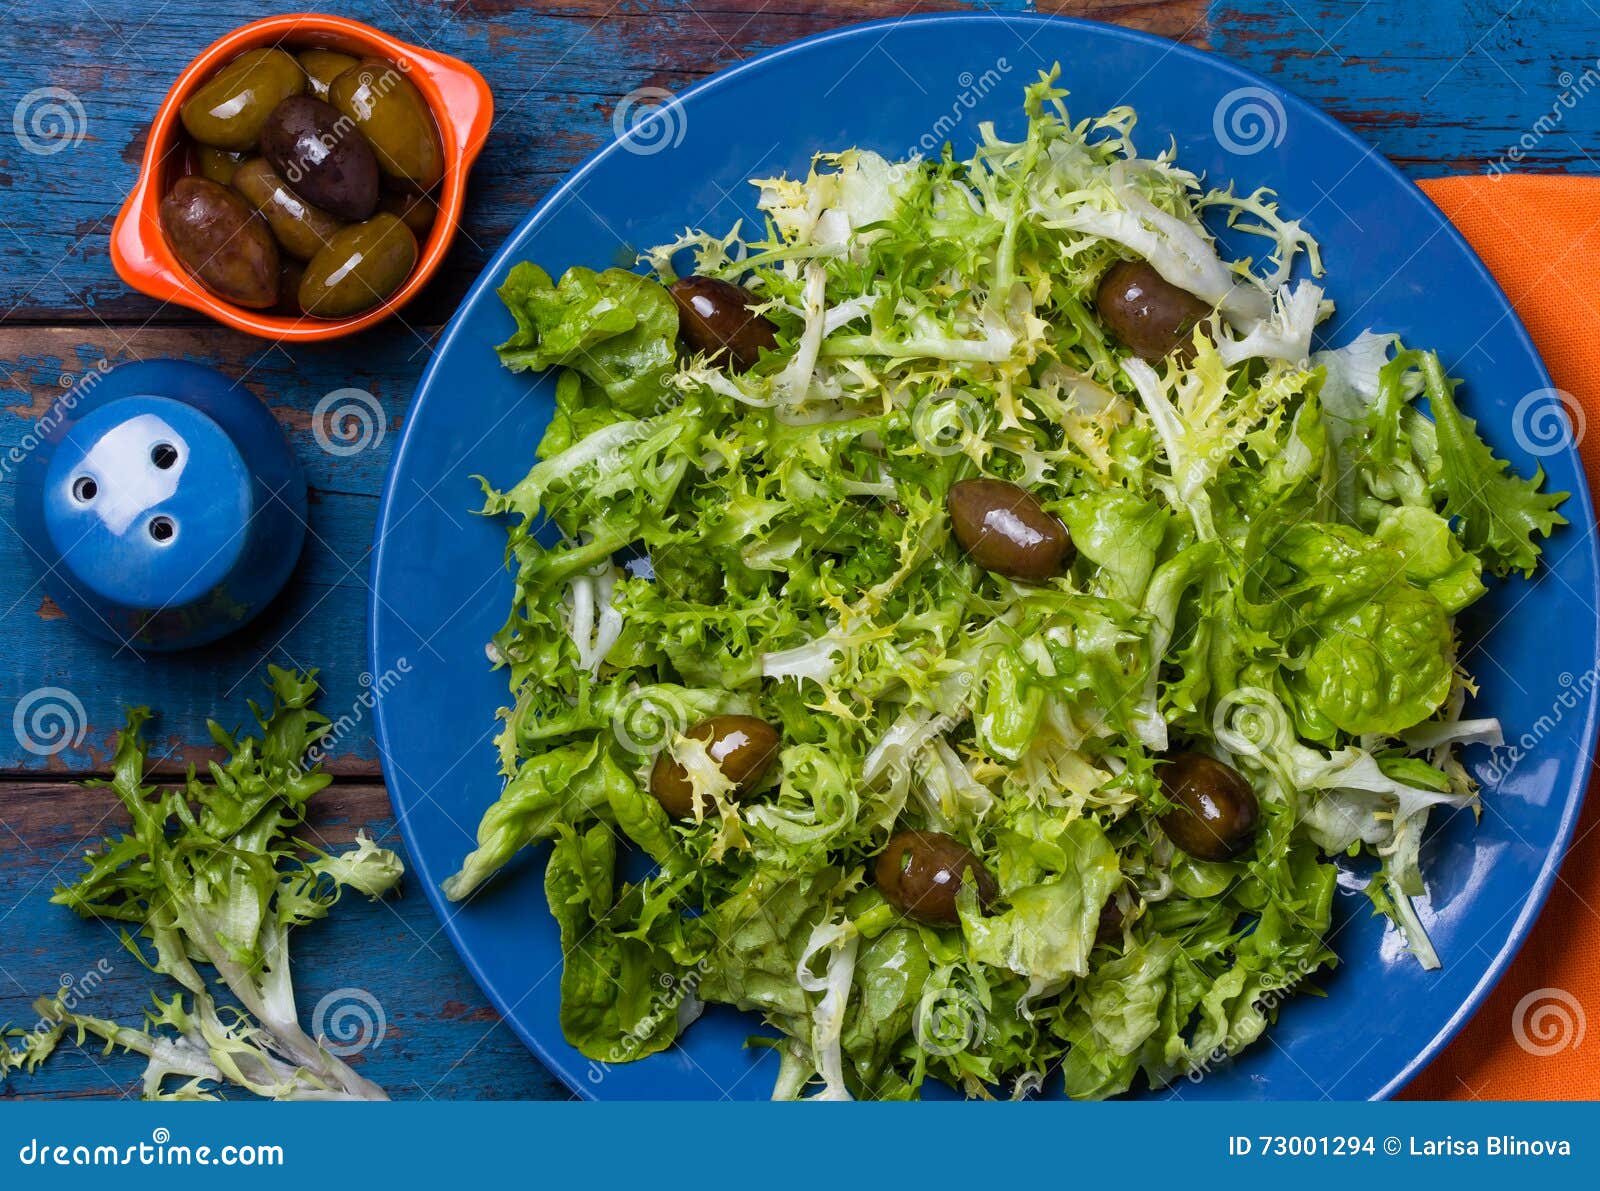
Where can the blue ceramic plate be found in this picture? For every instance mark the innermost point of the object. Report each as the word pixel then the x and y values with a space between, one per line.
pixel 441 590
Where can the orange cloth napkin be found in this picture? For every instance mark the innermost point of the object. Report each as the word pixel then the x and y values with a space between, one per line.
pixel 1540 236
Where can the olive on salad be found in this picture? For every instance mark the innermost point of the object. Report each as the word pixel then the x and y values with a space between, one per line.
pixel 1146 313
pixel 921 873
pixel 741 746
pixel 1004 529
pixel 715 317
pixel 1214 812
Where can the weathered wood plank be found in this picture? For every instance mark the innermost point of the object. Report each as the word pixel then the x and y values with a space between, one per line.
pixel 440 1038
pixel 1437 84
pixel 1440 86
pixel 320 619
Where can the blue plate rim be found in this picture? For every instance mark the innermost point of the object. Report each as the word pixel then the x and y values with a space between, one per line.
pixel 1579 508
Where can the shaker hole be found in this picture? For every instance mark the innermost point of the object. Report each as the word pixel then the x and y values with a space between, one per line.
pixel 84 489
pixel 162 529
pixel 163 455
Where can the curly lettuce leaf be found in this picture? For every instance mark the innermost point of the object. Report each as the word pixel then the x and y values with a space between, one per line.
pixel 616 329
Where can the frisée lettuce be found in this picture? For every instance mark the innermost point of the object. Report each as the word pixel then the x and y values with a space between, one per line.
pixel 1271 546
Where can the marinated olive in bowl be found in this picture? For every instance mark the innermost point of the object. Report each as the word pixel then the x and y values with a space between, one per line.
pixel 222 242
pixel 217 164
pixel 391 113
pixel 360 266
pixel 315 151
pixel 322 67
pixel 231 109
pixel 301 229
pixel 342 191
pixel 416 211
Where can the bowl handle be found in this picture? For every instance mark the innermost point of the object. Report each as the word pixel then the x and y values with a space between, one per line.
pixel 468 102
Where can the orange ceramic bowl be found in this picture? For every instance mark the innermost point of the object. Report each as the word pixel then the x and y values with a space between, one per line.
pixel 462 107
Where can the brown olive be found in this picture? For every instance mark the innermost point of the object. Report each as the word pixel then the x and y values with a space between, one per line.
pixel 1007 531
pixel 221 241
pixel 322 157
pixel 921 872
pixel 1109 928
pixel 742 746
pixel 1144 312
pixel 714 317
pixel 416 211
pixel 302 230
pixel 1214 811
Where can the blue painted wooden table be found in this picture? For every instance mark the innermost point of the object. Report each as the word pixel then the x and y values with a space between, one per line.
pixel 1439 85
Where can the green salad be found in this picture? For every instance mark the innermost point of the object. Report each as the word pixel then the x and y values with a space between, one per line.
pixel 990 616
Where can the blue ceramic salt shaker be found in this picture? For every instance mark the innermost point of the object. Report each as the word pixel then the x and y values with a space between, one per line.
pixel 163 504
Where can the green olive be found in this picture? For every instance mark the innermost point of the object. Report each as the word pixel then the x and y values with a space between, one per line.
pixel 322 67
pixel 230 108
pixel 416 211
pixel 302 230
pixel 1214 812
pixel 362 266
pixel 221 241
pixel 743 748
pixel 1006 530
pixel 217 164
pixel 921 872
pixel 392 114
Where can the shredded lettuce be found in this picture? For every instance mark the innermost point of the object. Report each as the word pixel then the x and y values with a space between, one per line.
pixel 1272 543
pixel 209 875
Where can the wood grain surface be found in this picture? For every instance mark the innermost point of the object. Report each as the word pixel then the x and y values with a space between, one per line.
pixel 1440 86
